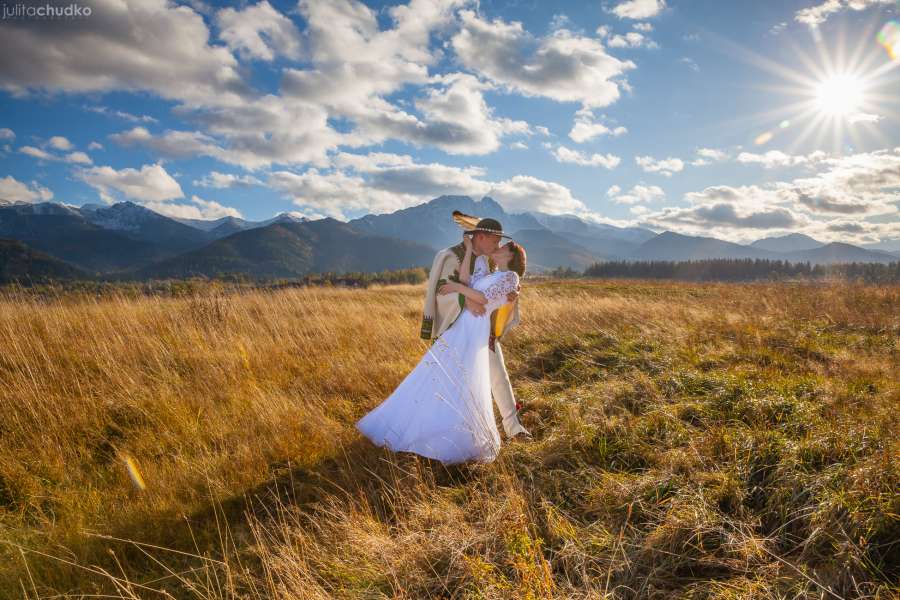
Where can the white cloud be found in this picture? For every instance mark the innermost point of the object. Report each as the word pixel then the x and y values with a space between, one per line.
pixel 200 209
pixel 519 146
pixel 525 193
pixel 152 45
pixel 586 128
pixel 72 157
pixel 776 158
pixel 149 184
pixel 562 66
pixel 259 31
pixel 13 190
pixel 58 142
pixel 663 166
pixel 566 155
pixel 254 135
pixel 226 180
pixel 632 39
pixel 645 27
pixel 819 13
pixel 637 194
pixel 37 153
pixel 699 219
pixel 78 157
pixel 707 156
pixel 95 146
pixel 7 134
pixel 382 182
pixel 121 114
pixel 639 9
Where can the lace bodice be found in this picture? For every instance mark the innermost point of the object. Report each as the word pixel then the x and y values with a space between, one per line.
pixel 495 287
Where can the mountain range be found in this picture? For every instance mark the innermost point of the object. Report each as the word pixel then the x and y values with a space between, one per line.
pixel 128 241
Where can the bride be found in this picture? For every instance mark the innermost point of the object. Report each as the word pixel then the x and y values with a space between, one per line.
pixel 443 408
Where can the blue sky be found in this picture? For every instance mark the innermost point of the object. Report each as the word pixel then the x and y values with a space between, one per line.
pixel 732 119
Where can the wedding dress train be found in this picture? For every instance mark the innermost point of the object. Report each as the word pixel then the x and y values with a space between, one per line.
pixel 443 408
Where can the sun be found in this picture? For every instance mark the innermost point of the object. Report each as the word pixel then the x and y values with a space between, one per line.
pixel 840 95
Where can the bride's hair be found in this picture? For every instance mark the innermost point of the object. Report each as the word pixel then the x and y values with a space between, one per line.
pixel 517 262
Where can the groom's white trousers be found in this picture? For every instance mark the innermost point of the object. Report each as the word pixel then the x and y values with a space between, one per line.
pixel 502 391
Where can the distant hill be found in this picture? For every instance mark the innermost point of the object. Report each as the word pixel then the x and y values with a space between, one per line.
pixel 20 263
pixel 225 226
pixel 837 252
pixel 547 250
pixel 674 246
pixel 140 223
pixel 64 233
pixel 293 249
pixel 787 243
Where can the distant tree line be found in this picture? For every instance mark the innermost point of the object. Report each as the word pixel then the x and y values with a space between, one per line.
pixel 54 288
pixel 739 269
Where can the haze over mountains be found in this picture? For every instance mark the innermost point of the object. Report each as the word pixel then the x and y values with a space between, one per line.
pixel 127 240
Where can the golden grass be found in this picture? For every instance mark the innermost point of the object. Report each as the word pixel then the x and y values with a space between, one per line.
pixel 696 440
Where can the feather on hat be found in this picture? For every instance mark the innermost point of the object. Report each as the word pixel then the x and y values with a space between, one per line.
pixel 472 224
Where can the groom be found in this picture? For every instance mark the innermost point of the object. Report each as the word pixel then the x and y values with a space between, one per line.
pixel 442 310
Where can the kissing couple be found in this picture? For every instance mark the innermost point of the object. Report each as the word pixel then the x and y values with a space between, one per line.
pixel 442 409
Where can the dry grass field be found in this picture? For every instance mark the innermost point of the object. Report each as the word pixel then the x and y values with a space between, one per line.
pixel 691 441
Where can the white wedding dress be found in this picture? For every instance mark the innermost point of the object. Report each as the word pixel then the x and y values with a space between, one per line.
pixel 443 408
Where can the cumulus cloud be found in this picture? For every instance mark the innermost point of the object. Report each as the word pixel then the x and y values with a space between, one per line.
pixel 7 134
pixel 819 13
pixel 457 119
pixel 700 217
pixel 71 157
pixel 632 39
pixel 776 158
pixel 637 194
pixel 639 9
pixel 198 209
pixel 706 156
pixel 586 128
pixel 567 155
pixel 259 32
pixel 151 45
pixel 850 188
pixel 13 190
pixel 271 129
pixel 562 66
pixel 58 142
pixel 37 153
pixel 151 183
pixel 663 166
pixel 525 193
pixel 384 182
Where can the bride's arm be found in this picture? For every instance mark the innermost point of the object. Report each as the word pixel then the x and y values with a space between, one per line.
pixel 470 293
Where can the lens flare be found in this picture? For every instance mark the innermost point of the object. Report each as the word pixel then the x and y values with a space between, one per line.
pixel 889 37
pixel 763 138
pixel 134 473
